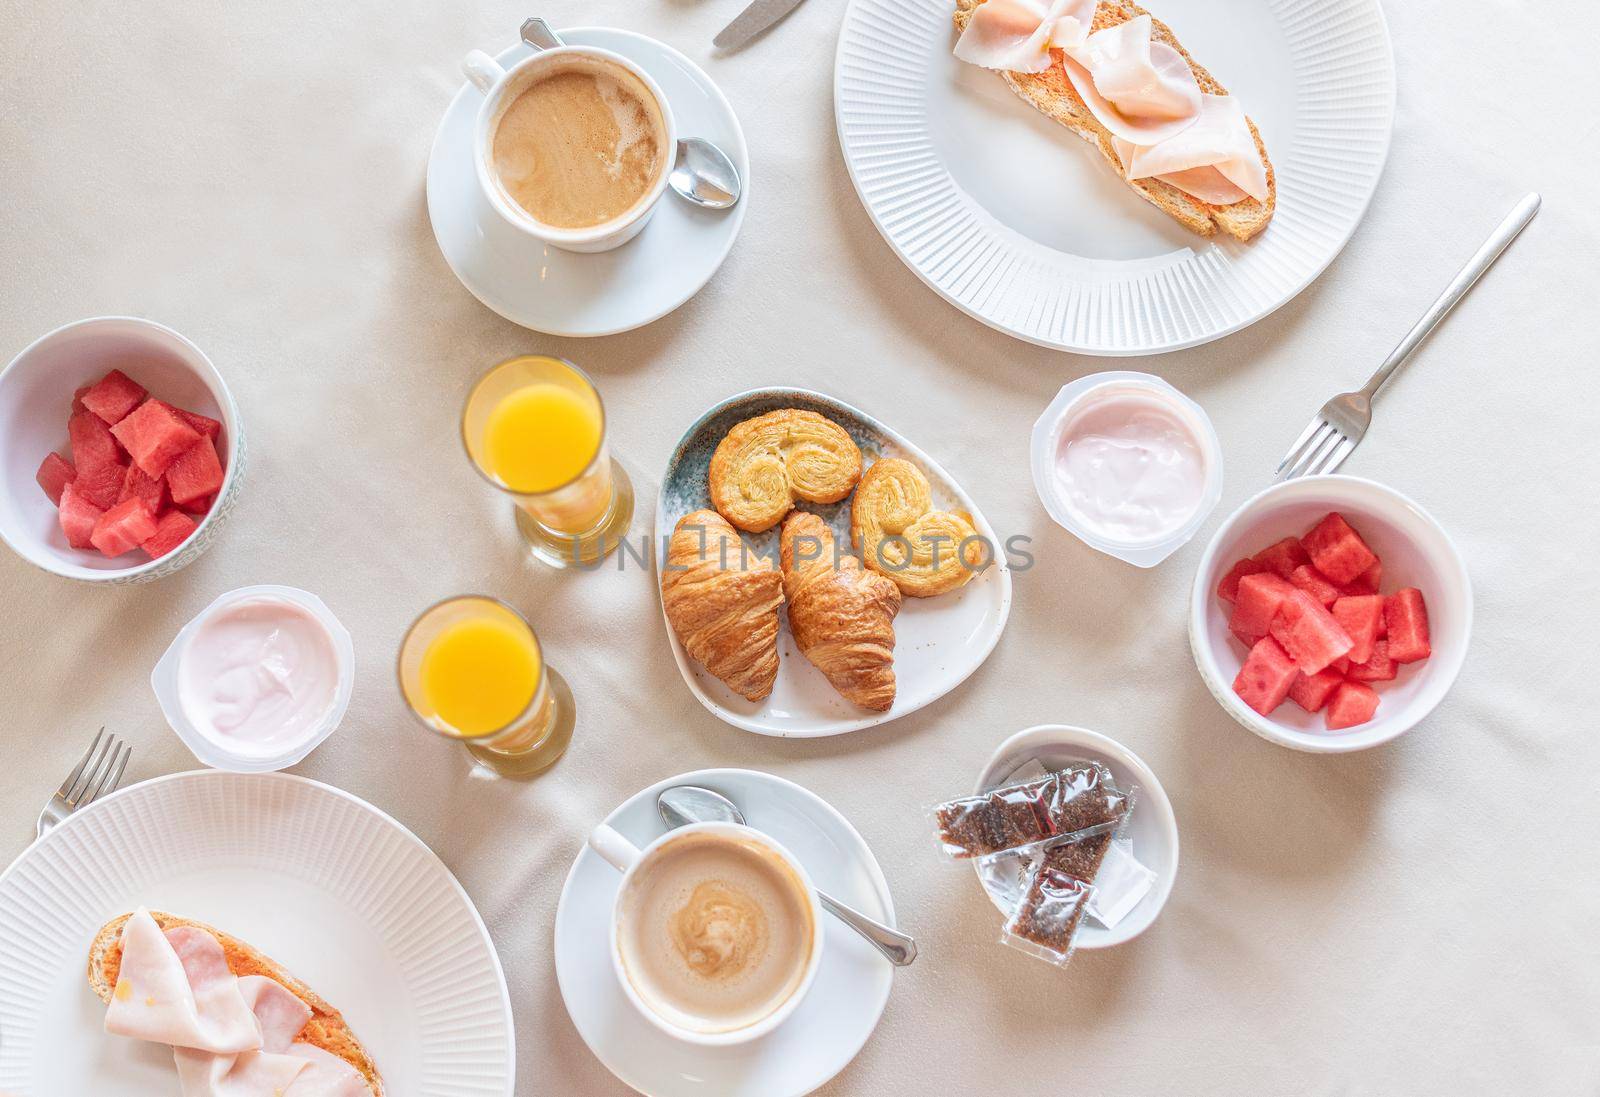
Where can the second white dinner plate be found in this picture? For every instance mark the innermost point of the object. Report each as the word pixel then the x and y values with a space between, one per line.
pixel 341 895
pixel 1018 222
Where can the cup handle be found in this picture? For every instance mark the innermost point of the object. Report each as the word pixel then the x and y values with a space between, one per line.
pixel 484 71
pixel 617 851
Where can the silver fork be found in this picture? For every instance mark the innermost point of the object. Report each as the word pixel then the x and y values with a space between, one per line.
pixel 1338 428
pixel 98 771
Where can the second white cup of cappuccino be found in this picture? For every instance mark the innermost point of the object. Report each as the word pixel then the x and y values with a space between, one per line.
pixel 572 145
pixel 716 930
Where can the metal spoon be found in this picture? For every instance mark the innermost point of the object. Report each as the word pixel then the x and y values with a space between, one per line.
pixel 701 172
pixel 704 175
pixel 685 804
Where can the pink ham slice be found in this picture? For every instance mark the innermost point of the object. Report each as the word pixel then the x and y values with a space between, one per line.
pixel 1017 35
pixel 1216 159
pixel 1141 90
pixel 231 1037
pixel 178 992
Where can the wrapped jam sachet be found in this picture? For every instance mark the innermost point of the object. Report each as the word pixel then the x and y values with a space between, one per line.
pixel 1078 801
pixel 1045 923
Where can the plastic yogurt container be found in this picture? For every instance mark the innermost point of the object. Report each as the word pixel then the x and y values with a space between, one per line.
pixel 1128 464
pixel 258 679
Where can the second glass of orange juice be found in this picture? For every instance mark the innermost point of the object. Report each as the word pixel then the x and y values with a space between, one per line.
pixel 535 428
pixel 471 668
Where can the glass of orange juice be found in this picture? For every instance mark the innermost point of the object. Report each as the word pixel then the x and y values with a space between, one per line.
pixel 535 428
pixel 471 669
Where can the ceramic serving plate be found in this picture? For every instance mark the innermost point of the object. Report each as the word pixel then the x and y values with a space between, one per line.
pixel 339 893
pixel 1021 224
pixel 938 641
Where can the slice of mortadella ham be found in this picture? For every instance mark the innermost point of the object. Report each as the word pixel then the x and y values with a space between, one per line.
pixel 178 992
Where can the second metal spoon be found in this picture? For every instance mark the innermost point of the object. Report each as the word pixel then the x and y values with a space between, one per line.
pixel 684 804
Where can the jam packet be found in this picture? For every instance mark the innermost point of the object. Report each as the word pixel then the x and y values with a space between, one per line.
pixel 1045 923
pixel 1075 802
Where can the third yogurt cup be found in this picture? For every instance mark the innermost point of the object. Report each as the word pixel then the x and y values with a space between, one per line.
pixel 1128 464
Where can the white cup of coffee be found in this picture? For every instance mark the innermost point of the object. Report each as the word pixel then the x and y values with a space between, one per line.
pixel 716 930
pixel 572 145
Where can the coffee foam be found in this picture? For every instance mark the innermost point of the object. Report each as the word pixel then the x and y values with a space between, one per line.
pixel 715 933
pixel 578 144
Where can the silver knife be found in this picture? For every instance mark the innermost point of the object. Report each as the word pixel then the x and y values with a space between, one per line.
pixel 750 22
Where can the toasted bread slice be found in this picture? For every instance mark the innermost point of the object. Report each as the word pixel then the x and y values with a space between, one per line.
pixel 326 1029
pixel 1053 95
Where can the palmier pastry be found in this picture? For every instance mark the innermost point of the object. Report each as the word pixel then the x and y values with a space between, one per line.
pixel 898 533
pixel 842 617
pixel 722 602
pixel 764 464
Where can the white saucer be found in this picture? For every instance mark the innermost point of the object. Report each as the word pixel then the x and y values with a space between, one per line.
pixel 562 292
pixel 829 1027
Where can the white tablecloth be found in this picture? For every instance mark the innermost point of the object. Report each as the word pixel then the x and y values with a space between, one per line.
pixel 1417 918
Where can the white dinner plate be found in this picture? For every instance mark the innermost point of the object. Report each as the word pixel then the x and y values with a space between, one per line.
pixel 827 1029
pixel 562 292
pixel 938 642
pixel 341 895
pixel 1018 222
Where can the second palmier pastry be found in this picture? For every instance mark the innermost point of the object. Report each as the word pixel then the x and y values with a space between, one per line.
pixel 764 464
pixel 842 616
pixel 722 602
pixel 899 533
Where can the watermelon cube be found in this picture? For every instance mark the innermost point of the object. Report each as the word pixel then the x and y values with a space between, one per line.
pixel 153 492
pixel 195 474
pixel 114 396
pixel 78 517
pixel 92 441
pixel 77 398
pixel 1228 589
pixel 1379 668
pixel 1368 582
pixel 1351 704
pixel 155 436
pixel 1308 632
pixel 125 526
pixel 200 507
pixel 1337 550
pixel 1314 583
pixel 1266 676
pixel 1407 620
pixel 1283 557
pixel 101 482
pixel 1360 615
pixel 1259 597
pixel 202 423
pixel 1311 692
pixel 172 529
pixel 55 472
pixel 1341 664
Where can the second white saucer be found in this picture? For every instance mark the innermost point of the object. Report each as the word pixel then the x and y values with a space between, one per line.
pixel 825 1032
pixel 562 292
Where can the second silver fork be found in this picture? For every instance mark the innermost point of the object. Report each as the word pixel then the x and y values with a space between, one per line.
pixel 1338 428
pixel 99 771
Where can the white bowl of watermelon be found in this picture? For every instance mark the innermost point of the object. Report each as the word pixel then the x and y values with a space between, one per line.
pixel 1330 614
pixel 122 451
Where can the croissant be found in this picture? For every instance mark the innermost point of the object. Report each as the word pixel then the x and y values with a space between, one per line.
pixel 764 464
pixel 898 533
pixel 842 617
pixel 722 602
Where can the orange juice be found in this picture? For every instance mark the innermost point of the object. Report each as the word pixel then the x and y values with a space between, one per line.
pixel 480 674
pixel 540 437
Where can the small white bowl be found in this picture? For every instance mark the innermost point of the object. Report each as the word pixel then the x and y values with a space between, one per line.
pixel 35 399
pixel 1153 830
pixel 1416 552
pixel 164 681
